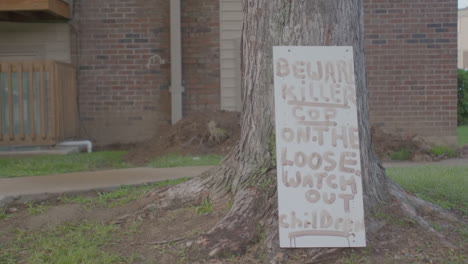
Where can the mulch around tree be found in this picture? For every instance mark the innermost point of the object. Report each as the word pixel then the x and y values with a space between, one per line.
pixel 206 132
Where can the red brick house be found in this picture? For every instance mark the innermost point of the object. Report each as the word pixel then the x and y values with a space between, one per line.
pixel 133 73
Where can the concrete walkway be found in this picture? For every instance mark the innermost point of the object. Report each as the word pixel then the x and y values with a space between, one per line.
pixel 46 187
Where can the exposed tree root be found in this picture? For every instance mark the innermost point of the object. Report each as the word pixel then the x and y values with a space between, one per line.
pixel 417 209
pixel 253 215
pixel 237 229
pixel 253 219
pixel 209 185
pixel 186 194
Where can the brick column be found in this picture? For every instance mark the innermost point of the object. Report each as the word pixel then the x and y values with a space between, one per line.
pixel 122 83
pixel 411 55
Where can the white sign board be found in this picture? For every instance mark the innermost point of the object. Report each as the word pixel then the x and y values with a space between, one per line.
pixel 318 159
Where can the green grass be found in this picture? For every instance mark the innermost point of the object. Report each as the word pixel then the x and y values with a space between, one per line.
pixel 442 185
pixel 76 243
pixel 4 215
pixel 404 154
pixel 443 150
pixel 391 218
pixel 354 258
pixel 462 135
pixel 66 243
pixel 119 196
pixel 463 231
pixel 37 208
pixel 206 207
pixel 173 160
pixel 46 165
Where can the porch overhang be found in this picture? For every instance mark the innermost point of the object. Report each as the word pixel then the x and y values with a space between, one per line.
pixel 34 10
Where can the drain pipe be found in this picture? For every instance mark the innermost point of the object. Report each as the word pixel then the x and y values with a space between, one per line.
pixel 176 62
pixel 87 143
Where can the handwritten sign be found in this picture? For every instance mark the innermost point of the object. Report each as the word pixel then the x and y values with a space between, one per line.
pixel 318 159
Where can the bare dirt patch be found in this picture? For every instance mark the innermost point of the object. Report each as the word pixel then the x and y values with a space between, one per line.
pixel 385 143
pixel 164 236
pixel 57 213
pixel 208 132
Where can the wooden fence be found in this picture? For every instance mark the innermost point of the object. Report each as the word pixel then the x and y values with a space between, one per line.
pixel 37 103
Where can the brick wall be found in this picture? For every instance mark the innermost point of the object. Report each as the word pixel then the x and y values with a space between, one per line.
pixel 411 49
pixel 411 56
pixel 115 48
pixel 124 91
pixel 200 52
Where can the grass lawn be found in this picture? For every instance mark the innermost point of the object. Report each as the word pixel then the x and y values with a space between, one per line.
pixel 173 160
pixel 441 185
pixel 97 242
pixel 463 135
pixel 119 196
pixel 68 243
pixel 76 242
pixel 46 165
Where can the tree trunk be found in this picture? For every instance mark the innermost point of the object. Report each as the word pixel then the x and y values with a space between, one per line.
pixel 248 174
pixel 270 23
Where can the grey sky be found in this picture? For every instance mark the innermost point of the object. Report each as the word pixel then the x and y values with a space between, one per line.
pixel 462 3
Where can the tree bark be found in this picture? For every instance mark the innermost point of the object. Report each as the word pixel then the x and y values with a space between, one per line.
pixel 269 23
pixel 248 174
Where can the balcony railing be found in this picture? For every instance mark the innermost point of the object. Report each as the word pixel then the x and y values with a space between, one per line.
pixel 37 103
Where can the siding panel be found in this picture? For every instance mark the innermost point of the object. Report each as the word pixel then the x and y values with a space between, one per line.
pixel 230 35
pixel 28 41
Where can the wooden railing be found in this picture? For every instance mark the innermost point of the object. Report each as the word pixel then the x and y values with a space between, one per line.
pixel 35 9
pixel 37 103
